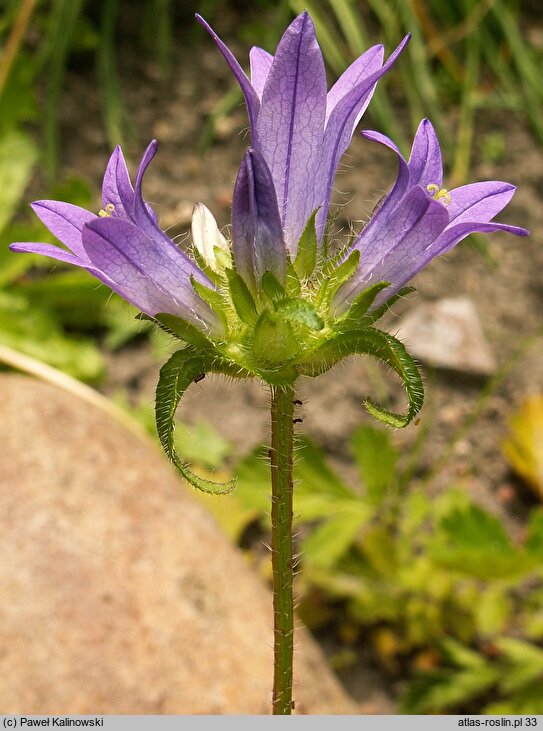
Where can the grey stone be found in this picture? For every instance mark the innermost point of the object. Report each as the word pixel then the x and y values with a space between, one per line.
pixel 447 334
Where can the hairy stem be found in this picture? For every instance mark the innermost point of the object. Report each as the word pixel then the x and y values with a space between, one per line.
pixel 282 410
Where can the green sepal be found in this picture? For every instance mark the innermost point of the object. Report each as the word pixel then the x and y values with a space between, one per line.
pixel 301 312
pixel 213 298
pixel 380 345
pixel 274 341
pixel 179 328
pixel 338 276
pixel 272 287
pixel 293 287
pixel 223 257
pixel 361 305
pixel 306 258
pixel 182 369
pixel 242 299
pixel 380 311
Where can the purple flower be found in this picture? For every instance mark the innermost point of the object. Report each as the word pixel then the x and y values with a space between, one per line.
pixel 299 129
pixel 418 219
pixel 125 248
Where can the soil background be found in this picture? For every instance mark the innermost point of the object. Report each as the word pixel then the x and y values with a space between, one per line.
pixel 507 292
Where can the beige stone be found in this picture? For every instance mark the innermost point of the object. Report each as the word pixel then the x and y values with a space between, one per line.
pixel 118 592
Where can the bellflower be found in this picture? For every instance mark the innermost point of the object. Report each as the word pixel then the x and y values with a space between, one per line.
pixel 125 248
pixel 299 129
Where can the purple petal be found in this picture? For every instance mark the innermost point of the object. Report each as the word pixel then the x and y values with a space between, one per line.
pixel 454 234
pixel 65 221
pixel 291 123
pixel 258 244
pixel 116 187
pixel 261 62
pixel 394 251
pixel 251 98
pixel 479 201
pixel 339 130
pixel 425 164
pixel 52 251
pixel 137 269
pixel 366 65
pixel 394 196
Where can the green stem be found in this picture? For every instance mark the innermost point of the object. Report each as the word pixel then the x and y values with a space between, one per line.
pixel 282 410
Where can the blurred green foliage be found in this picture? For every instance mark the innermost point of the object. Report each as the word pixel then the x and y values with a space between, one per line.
pixel 444 596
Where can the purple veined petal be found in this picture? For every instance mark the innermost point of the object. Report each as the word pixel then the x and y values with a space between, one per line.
pixel 441 245
pixel 479 201
pixel 65 221
pixel 137 269
pixel 257 235
pixel 261 62
pixel 117 189
pixel 455 233
pixel 366 65
pixel 54 252
pixel 144 219
pixel 397 246
pixel 425 164
pixel 393 197
pixel 291 124
pixel 251 97
pixel 338 133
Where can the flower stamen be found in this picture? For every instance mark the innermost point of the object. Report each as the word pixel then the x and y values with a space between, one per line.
pixel 107 211
pixel 440 194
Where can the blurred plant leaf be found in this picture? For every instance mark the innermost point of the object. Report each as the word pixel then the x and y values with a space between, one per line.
pixel 202 444
pixel 524 447
pixel 377 460
pixel 18 154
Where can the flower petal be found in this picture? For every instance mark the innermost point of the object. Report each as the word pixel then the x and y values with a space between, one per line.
pixel 454 234
pixel 394 251
pixel 206 235
pixel 366 65
pixel 251 97
pixel 261 62
pixel 479 201
pixel 65 221
pixel 117 188
pixel 140 271
pixel 291 123
pixel 339 130
pixel 425 164
pixel 394 196
pixel 49 250
pixel 258 244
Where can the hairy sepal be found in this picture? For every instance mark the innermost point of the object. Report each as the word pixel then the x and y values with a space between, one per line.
pixel 180 329
pixel 300 312
pixel 213 298
pixel 361 305
pixel 306 258
pixel 384 347
pixel 182 369
pixel 241 297
pixel 274 342
pixel 272 287
pixel 337 277
pixel 372 317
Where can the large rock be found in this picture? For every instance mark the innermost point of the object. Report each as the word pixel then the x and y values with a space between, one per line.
pixel 119 594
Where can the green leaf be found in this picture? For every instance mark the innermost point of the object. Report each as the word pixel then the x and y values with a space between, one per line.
pixel 361 304
pixel 180 329
pixel 272 287
pixel 300 312
pixel 380 345
pixel 524 663
pixel 202 444
pixel 327 543
pixel 306 258
pixel 376 458
pixel 380 311
pixel 18 154
pixel 181 370
pixel 293 286
pixel 213 298
pixel 274 341
pixel 338 276
pixel 242 299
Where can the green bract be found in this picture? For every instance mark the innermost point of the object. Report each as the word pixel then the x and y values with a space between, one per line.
pixel 278 334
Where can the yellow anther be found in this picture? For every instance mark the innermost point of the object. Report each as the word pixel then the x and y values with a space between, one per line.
pixel 106 213
pixel 442 194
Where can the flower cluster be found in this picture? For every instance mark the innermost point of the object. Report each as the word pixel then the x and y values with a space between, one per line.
pixel 278 301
